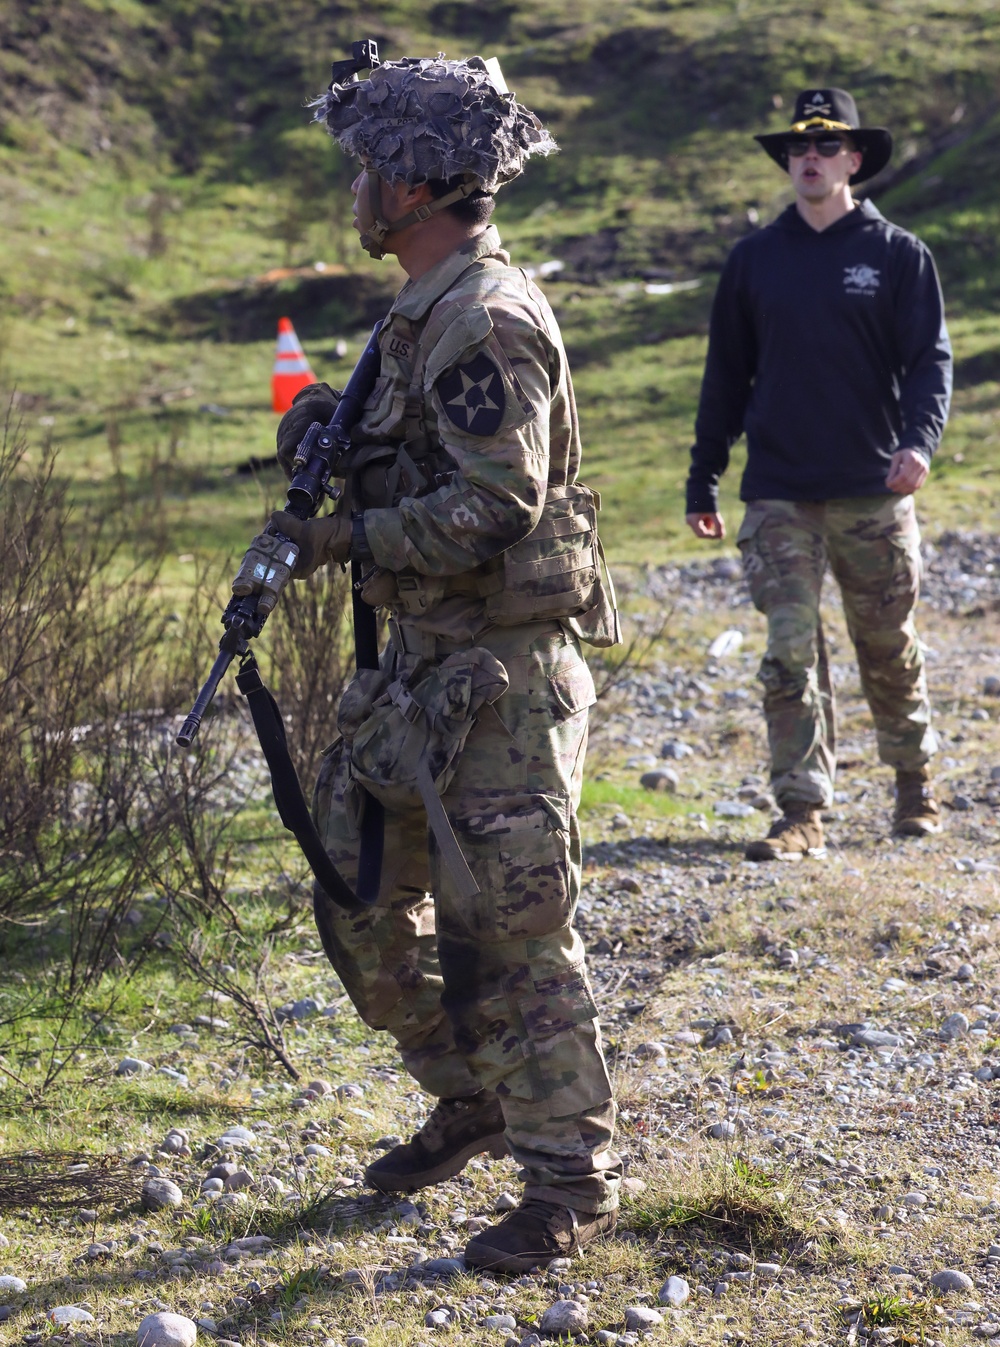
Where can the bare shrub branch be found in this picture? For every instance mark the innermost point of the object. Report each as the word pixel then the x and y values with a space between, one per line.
pixel 246 983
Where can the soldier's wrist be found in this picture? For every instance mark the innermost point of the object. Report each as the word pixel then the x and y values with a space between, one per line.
pixel 360 547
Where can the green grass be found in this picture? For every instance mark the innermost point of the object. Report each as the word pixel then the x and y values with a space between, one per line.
pixel 909 1316
pixel 731 1203
pixel 600 796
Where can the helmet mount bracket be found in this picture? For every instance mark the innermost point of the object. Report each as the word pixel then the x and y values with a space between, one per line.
pixel 364 56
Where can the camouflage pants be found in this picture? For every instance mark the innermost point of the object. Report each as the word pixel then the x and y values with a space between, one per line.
pixel 872 545
pixel 493 992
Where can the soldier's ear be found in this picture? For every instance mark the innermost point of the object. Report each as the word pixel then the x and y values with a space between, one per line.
pixel 420 195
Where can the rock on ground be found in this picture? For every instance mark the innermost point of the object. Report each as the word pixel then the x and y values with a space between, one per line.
pixel 161 1195
pixel 132 1066
pixel 674 1291
pixel 167 1330
pixel 640 1319
pixel 64 1315
pixel 565 1316
pixel 950 1279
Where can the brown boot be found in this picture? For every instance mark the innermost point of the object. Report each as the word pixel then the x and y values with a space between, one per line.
pixel 456 1130
pixel 797 833
pixel 534 1233
pixel 917 813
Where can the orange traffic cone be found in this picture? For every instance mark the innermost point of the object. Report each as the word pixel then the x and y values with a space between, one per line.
pixel 291 368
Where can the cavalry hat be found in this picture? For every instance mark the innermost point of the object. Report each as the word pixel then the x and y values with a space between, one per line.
pixel 831 110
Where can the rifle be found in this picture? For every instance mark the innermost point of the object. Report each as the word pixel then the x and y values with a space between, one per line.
pixel 323 453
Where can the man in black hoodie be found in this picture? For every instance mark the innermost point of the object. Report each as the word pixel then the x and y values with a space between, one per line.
pixel 828 347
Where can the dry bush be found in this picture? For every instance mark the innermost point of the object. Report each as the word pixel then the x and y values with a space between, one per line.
pixel 310 661
pixel 643 636
pixel 96 806
pixel 54 1179
pixel 77 670
pixel 228 963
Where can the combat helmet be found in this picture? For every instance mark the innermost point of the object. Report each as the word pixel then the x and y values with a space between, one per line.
pixel 427 119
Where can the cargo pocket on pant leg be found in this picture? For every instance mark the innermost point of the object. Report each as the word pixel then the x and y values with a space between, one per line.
pixel 521 858
pixel 754 567
pixel 564 1068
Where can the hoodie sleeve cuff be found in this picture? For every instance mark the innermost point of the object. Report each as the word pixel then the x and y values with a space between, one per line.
pixel 923 450
pixel 702 498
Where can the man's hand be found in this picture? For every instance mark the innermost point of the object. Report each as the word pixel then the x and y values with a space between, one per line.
pixel 706 525
pixel 315 402
pixel 907 472
pixel 319 541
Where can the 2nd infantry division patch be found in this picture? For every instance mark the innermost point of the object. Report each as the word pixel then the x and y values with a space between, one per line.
pixel 473 395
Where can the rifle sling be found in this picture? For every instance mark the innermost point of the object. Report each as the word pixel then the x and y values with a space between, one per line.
pixel 371 846
pixel 287 791
pixel 444 835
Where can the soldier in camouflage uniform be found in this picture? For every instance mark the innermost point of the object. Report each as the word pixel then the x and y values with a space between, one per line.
pixel 828 346
pixel 482 545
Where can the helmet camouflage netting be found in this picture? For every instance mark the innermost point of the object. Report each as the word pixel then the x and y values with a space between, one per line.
pixel 422 119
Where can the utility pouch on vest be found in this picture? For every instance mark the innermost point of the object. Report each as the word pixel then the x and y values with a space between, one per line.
pixel 557 573
pixel 406 751
pixel 417 593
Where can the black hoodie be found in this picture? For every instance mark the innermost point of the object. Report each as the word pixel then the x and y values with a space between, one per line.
pixel 829 348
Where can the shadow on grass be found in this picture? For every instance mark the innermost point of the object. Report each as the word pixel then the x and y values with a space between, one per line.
pixel 220 1230
pixel 320 304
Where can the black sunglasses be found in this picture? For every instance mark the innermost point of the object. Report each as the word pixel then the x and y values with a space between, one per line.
pixel 827 146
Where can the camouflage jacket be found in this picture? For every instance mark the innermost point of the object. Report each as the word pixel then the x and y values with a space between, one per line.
pixel 473 367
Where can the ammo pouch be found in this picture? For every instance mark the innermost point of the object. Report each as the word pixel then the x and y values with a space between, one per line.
pixel 405 751
pixel 558 572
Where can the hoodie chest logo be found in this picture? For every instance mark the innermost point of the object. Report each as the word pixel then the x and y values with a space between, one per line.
pixel 861 280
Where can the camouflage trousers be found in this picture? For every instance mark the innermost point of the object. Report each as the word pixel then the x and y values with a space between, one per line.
pixel 492 992
pixel 872 545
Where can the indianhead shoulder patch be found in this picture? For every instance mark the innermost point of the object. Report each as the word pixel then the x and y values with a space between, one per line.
pixel 474 396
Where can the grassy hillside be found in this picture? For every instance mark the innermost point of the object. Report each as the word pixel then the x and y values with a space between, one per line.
pixel 163 200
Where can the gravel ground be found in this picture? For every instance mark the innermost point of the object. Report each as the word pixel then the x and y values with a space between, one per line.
pixel 806 1058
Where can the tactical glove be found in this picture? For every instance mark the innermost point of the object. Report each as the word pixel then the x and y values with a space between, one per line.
pixel 319 541
pixel 315 402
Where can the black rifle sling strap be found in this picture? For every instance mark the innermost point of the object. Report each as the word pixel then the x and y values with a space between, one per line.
pixel 291 803
pixel 371 843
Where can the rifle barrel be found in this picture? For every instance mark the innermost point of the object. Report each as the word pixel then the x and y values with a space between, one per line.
pixel 190 727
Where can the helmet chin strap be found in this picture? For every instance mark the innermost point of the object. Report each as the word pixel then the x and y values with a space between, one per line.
pixel 375 227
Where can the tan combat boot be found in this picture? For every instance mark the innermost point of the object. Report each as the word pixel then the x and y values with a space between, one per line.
pixel 455 1131
pixel 799 832
pixel 535 1233
pixel 917 813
